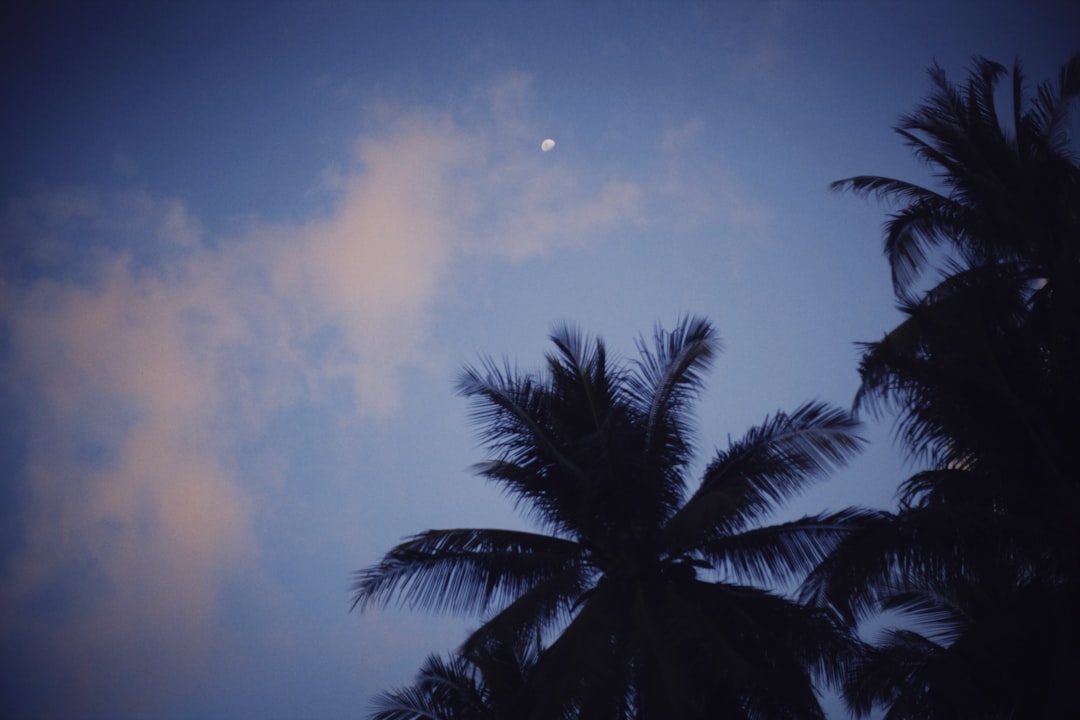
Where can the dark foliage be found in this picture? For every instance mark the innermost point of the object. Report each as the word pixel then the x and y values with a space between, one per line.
pixel 644 588
pixel 984 375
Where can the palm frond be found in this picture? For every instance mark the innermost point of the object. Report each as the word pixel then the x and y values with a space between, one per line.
pixel 581 378
pixel 540 494
pixel 773 555
pixel 886 676
pixel 768 465
pixel 667 379
pixel 952 348
pixel 444 690
pixel 669 376
pixel 1050 110
pixel 463 570
pixel 532 460
pixel 933 615
pixel 511 411
pixel 916 233
pixel 921 547
pixel 407 703
pixel 967 383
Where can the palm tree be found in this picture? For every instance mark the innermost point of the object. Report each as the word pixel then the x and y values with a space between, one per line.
pixel 646 593
pixel 983 375
pixel 1004 236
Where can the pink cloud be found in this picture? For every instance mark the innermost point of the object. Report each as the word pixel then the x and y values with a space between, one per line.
pixel 154 525
pixel 131 341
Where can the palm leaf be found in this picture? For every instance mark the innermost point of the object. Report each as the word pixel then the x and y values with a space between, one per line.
pixel 886 674
pixel 668 378
pixel 583 387
pixel 463 570
pixel 444 690
pixel 773 555
pixel 511 410
pixel 756 474
pixel 890 554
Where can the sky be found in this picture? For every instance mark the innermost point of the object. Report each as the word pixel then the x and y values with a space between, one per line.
pixel 246 248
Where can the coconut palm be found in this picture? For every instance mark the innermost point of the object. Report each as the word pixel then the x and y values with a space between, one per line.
pixel 983 376
pixel 1003 234
pixel 647 593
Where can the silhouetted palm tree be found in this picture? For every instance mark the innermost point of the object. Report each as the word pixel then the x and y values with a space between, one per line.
pixel 642 588
pixel 1005 238
pixel 984 373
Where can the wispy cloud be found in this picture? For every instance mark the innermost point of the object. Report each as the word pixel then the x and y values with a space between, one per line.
pixel 142 353
pixel 703 189
pixel 679 136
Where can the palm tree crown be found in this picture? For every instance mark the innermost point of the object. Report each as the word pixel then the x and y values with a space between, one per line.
pixel 642 586
pixel 983 375
pixel 1009 186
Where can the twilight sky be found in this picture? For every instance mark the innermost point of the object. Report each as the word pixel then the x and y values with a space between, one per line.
pixel 245 248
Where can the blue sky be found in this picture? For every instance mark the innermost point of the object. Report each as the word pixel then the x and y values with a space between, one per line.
pixel 246 248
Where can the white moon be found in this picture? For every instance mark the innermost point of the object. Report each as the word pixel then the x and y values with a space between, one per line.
pixel 547 145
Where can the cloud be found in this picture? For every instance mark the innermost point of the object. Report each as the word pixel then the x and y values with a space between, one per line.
pixel 371 269
pixel 704 190
pixel 133 520
pixel 142 355
pixel 676 138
